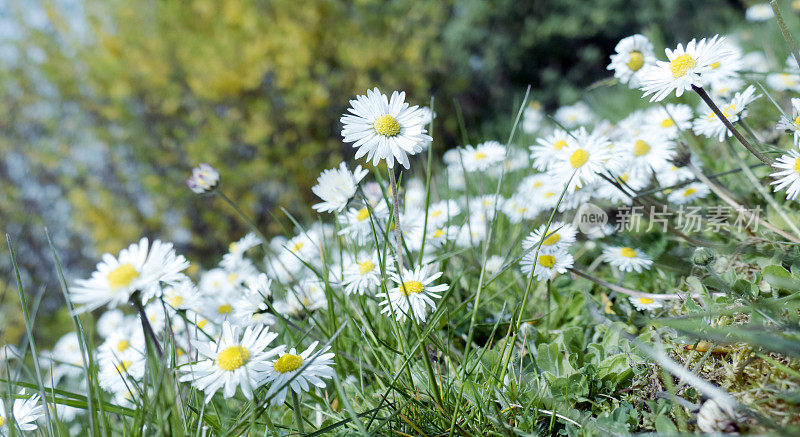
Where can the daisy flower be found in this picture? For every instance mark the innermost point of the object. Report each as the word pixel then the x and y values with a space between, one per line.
pixel 441 212
pixel 251 307
pixel 204 179
pixel 545 152
pixel 297 372
pixel 546 265
pixel 249 241
pixel 794 124
pixel 358 226
pixel 140 267
pixel 711 126
pixel 182 296
pixel 683 69
pixel 532 117
pixel 120 372
pixel 627 259
pixel 482 157
pixel 413 295
pixel 646 153
pixel 336 186
pixel 634 181
pixel 362 273
pixel 784 81
pixel 689 193
pixel 759 12
pixel 232 361
pixel 645 303
pixel 383 128
pixel 125 341
pixel 308 296
pixel 438 237
pixel 632 55
pixel 585 157
pixel 559 235
pixel 26 412
pixel 519 208
pixel 572 116
pixel 670 119
pixel 789 175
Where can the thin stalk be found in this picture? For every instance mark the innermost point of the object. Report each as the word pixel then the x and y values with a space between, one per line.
pixel 785 31
pixel 296 409
pixel 398 254
pixel 148 330
pixel 704 95
pixel 244 216
pixel 635 293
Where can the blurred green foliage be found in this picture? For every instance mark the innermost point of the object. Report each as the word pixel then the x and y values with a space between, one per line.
pixel 114 101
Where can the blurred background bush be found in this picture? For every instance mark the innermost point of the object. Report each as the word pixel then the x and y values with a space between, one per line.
pixel 107 104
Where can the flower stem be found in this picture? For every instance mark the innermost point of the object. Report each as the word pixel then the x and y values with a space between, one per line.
pixel 785 31
pixel 146 327
pixel 296 409
pixel 244 216
pixel 398 255
pixel 704 95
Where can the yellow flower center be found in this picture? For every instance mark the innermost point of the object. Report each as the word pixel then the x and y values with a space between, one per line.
pixel 636 62
pixel 436 213
pixel 2 421
pixel 440 232
pixel 386 125
pixel 232 358
pixel 175 301
pixel 479 156
pixel 287 363
pixel 123 345
pixel 537 184
pixel 411 287
pixel 714 65
pixel 645 300
pixel 797 120
pixel 553 239
pixel 123 366
pixel 297 246
pixel 224 309
pixel 232 247
pixel 682 64
pixel 797 166
pixel 202 323
pixel 641 148
pixel 366 267
pixel 627 252
pixel 667 122
pixel 624 177
pixel 550 194
pixel 689 192
pixel 547 261
pixel 560 144
pixel 122 276
pixel 578 158
pixel 363 213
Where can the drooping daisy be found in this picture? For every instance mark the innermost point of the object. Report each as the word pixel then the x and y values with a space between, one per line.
pixel 645 303
pixel 789 175
pixel 794 124
pixel 759 12
pixel 670 119
pixel 336 186
pixel 413 296
pixel 683 69
pixel 232 361
pixel 627 259
pixel 585 157
pixel 383 128
pixel 26 412
pixel 688 193
pixel 711 126
pixel 545 152
pixel 297 372
pixel 558 236
pixel 204 179
pixel 483 157
pixel 362 273
pixel 632 55
pixel 546 265
pixel 572 116
pixel 140 267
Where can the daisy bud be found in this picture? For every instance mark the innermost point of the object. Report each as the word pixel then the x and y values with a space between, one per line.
pixel 204 179
pixel 703 256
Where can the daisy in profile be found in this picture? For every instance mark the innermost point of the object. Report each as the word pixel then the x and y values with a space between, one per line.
pixel 709 125
pixel 297 372
pixel 545 151
pixel 759 12
pixel 794 124
pixel 558 236
pixel 644 303
pixel 483 157
pixel 627 259
pixel 532 117
pixel 585 157
pixel 689 193
pixel 784 81
pixel 683 69
pixel 249 241
pixel 336 186
pixel 670 119
pixel 413 296
pixel 789 175
pixel 140 267
pixel 251 307
pixel 632 55
pixel 383 128
pixel 26 412
pixel 233 361
pixel 362 273
pixel 572 116
pixel 546 265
